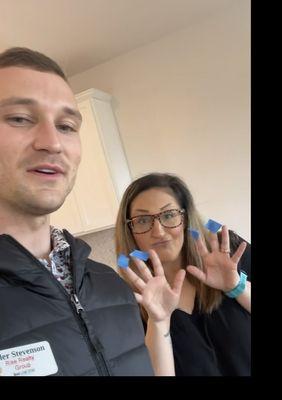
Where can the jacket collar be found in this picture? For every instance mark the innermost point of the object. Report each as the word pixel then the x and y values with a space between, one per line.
pixel 80 251
pixel 17 262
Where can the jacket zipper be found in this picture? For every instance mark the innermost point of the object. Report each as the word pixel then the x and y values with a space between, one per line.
pixel 77 304
pixel 97 356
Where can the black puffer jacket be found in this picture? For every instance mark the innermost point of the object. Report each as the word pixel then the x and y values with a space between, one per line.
pixel 105 338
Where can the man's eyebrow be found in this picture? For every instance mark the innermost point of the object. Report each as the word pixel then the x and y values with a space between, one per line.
pixel 17 100
pixel 11 101
pixel 73 112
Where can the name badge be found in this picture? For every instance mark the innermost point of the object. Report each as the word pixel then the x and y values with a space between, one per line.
pixel 35 359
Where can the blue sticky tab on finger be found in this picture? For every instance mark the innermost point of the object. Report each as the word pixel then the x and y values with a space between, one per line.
pixel 213 226
pixel 194 233
pixel 122 261
pixel 142 255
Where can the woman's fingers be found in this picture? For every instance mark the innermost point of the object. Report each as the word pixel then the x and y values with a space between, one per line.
pixel 178 281
pixel 213 239
pixel 138 297
pixel 134 279
pixel 145 274
pixel 239 252
pixel 196 272
pixel 143 269
pixel 157 265
pixel 224 246
pixel 201 247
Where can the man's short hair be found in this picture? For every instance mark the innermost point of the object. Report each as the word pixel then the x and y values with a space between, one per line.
pixel 27 58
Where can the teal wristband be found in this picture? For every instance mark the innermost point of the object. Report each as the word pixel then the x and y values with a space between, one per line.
pixel 239 288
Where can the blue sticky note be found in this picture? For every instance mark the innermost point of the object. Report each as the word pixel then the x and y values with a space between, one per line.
pixel 213 226
pixel 194 233
pixel 122 261
pixel 142 255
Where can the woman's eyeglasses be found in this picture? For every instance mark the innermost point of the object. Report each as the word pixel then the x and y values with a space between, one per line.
pixel 144 223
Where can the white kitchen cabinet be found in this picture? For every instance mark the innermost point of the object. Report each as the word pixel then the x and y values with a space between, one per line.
pixel 103 174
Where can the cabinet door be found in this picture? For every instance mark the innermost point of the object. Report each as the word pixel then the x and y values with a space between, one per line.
pixel 103 173
pixel 112 144
pixel 94 190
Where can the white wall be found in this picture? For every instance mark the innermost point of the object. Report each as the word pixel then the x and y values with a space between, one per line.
pixel 182 105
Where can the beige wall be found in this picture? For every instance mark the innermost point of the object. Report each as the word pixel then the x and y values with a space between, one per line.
pixel 182 105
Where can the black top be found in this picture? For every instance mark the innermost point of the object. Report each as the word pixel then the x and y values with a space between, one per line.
pixel 216 344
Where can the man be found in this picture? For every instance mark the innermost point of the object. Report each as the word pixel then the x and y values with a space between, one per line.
pixel 60 313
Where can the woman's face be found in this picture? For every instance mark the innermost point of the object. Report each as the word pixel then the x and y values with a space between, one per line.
pixel 167 242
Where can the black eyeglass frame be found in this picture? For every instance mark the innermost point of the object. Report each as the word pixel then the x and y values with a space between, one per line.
pixel 156 216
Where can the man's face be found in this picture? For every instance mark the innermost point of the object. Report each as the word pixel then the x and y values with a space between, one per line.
pixel 39 141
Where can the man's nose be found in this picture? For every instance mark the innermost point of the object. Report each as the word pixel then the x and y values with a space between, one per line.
pixel 47 138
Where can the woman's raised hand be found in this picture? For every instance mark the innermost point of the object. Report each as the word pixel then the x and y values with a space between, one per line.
pixel 154 292
pixel 219 269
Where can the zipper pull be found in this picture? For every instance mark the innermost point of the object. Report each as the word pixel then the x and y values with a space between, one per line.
pixel 77 304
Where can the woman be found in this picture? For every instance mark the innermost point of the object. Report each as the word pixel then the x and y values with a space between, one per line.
pixel 207 309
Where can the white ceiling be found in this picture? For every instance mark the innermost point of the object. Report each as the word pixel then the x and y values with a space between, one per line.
pixel 79 34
